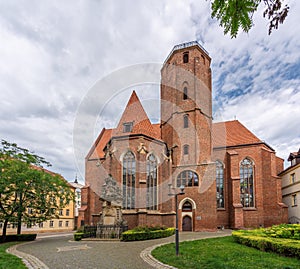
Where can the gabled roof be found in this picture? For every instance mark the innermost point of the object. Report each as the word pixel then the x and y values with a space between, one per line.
pixel 134 113
pixel 232 133
pixel 294 155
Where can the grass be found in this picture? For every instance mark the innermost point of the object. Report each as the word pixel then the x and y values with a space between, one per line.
pixel 221 253
pixel 9 261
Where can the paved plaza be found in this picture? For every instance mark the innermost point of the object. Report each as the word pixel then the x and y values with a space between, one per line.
pixel 59 251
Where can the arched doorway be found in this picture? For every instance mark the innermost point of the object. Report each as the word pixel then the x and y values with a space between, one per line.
pixel 187 208
pixel 187 224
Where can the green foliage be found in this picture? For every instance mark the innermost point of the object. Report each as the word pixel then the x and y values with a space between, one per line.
pixel 236 14
pixel 147 233
pixel 78 236
pixel 28 192
pixel 9 261
pixel 220 253
pixel 282 239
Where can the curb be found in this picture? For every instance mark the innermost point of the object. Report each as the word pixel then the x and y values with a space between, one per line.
pixel 148 258
pixel 30 261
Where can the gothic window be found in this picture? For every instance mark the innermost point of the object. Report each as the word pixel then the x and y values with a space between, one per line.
pixel 127 127
pixel 220 184
pixel 247 183
pixel 187 178
pixel 129 180
pixel 187 207
pixel 185 57
pixel 185 93
pixel 186 121
pixel 186 149
pixel 151 182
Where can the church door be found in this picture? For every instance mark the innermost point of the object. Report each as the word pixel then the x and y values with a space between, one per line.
pixel 187 223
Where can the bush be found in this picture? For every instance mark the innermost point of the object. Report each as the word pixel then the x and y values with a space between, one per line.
pixel 78 236
pixel 279 239
pixel 147 233
pixel 19 237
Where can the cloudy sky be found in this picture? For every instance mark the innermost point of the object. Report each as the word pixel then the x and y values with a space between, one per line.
pixel 53 53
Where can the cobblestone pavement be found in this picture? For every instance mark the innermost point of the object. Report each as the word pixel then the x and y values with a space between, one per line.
pixel 60 252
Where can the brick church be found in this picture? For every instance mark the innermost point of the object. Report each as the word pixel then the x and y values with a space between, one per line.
pixel 229 175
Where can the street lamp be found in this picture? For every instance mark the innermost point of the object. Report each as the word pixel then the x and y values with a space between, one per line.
pixel 176 206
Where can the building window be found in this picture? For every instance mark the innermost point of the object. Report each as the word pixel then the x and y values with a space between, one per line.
pixel 293 178
pixel 247 183
pixel 187 178
pixel 185 57
pixel 127 127
pixel 129 181
pixel 1 225
pixel 60 223
pixel 67 223
pixel 220 184
pixel 60 212
pixel 51 223
pixel 41 224
pixel 185 93
pixel 186 121
pixel 186 149
pixel 294 200
pixel 187 207
pixel 67 212
pixel 151 182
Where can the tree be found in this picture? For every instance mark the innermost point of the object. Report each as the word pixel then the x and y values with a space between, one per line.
pixel 29 193
pixel 237 14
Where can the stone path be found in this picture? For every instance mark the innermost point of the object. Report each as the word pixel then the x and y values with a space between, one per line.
pixel 60 252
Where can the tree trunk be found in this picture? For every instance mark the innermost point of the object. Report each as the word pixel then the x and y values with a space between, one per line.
pixel 20 214
pixel 3 238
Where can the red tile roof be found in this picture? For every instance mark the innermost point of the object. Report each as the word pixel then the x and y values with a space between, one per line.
pixel 232 133
pixel 134 113
pixel 224 134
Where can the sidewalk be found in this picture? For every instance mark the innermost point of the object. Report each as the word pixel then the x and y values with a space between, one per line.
pixel 59 251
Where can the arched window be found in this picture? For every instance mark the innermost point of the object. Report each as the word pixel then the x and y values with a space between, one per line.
pixel 185 57
pixel 129 180
pixel 186 121
pixel 187 207
pixel 187 178
pixel 220 184
pixel 247 183
pixel 186 149
pixel 185 93
pixel 151 182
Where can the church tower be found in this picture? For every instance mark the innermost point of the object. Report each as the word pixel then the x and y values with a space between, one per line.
pixel 186 125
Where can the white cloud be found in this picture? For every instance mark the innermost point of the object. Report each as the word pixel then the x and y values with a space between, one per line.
pixel 53 52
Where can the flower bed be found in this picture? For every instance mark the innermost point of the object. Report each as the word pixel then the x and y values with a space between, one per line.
pixel 283 239
pixel 146 233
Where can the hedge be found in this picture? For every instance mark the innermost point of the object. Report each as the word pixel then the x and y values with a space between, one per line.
pixel 19 237
pixel 286 247
pixel 135 235
pixel 78 236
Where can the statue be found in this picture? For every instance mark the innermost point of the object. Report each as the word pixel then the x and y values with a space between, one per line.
pixel 111 197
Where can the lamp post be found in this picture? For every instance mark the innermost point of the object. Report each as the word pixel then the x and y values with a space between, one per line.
pixel 176 206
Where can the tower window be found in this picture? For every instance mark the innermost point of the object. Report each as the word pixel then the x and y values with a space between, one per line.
pixel 127 127
pixel 186 149
pixel 185 57
pixel 185 93
pixel 186 121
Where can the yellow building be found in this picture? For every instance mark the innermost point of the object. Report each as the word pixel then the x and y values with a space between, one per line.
pixel 64 222
pixel 291 187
